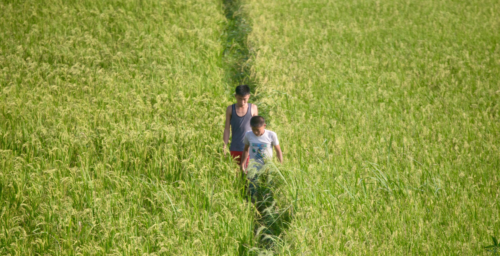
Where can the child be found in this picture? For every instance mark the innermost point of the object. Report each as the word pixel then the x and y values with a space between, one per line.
pixel 259 143
pixel 238 118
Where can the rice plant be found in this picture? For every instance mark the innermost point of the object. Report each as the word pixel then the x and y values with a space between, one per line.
pixel 111 118
pixel 388 117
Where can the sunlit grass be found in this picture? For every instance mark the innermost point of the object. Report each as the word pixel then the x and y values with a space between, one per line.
pixel 389 122
pixel 111 118
pixel 110 127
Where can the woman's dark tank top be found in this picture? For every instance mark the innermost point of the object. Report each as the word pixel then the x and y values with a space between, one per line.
pixel 239 126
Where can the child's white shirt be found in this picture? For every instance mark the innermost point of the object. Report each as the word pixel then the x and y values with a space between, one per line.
pixel 261 147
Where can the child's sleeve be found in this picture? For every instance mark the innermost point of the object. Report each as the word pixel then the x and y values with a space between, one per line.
pixel 245 140
pixel 275 141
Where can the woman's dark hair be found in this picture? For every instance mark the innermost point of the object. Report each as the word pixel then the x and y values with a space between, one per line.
pixel 242 90
pixel 257 121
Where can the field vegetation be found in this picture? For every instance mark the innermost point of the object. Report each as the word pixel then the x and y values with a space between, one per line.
pixel 111 120
pixel 110 129
pixel 388 113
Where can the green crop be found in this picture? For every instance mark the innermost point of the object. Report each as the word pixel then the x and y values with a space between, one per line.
pixel 388 116
pixel 111 130
pixel 112 113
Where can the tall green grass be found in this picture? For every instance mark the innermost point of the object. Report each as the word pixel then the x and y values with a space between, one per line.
pixel 111 117
pixel 388 117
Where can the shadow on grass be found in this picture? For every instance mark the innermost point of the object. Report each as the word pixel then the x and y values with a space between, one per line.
pixel 274 209
pixel 272 218
pixel 237 55
pixel 236 50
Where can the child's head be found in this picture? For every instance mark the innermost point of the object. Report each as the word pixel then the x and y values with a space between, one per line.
pixel 258 125
pixel 242 94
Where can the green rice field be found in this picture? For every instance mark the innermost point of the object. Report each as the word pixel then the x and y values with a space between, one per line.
pixel 112 116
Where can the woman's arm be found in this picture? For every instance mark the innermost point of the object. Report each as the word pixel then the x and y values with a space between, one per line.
pixel 227 125
pixel 244 157
pixel 255 110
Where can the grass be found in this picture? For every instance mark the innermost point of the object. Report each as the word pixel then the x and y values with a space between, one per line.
pixel 111 120
pixel 110 130
pixel 389 122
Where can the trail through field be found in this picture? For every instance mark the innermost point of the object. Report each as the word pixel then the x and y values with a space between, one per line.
pixel 270 220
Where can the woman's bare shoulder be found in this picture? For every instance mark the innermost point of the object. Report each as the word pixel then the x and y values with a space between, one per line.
pixel 255 110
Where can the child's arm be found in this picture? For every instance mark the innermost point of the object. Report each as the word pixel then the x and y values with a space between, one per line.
pixel 279 154
pixel 227 125
pixel 244 157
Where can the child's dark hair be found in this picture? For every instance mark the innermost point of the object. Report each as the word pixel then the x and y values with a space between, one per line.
pixel 257 121
pixel 242 90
